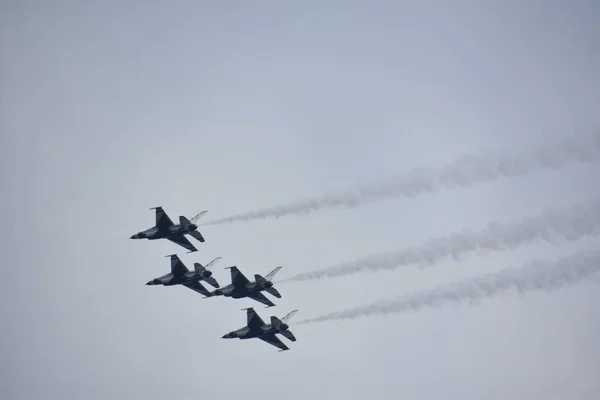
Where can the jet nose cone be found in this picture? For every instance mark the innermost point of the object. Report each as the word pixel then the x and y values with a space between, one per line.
pixel 134 236
pixel 227 336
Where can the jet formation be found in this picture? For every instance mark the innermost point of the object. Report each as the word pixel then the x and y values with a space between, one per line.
pixel 239 288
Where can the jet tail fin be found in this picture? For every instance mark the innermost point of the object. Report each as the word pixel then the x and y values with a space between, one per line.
pixel 259 279
pixel 268 278
pixel 285 320
pixel 212 263
pixel 272 274
pixel 289 316
pixel 200 268
pixel 196 217
pixel 262 281
pixel 184 221
pixel 276 322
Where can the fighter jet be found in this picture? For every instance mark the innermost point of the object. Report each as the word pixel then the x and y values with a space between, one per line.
pixel 241 287
pixel 180 275
pixel 164 228
pixel 256 328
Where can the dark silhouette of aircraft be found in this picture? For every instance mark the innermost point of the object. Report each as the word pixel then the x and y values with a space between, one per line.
pixel 241 287
pixel 181 275
pixel 256 328
pixel 164 228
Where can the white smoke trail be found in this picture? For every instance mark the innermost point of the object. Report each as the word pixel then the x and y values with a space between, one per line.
pixel 537 275
pixel 463 172
pixel 569 225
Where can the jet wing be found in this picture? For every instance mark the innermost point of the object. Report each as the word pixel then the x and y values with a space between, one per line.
pixel 177 267
pixel 258 296
pixel 237 278
pixel 197 287
pixel 197 235
pixel 162 219
pixel 274 340
pixel 253 320
pixel 183 242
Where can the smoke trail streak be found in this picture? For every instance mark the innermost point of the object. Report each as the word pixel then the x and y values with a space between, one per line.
pixel 569 225
pixel 537 275
pixel 463 172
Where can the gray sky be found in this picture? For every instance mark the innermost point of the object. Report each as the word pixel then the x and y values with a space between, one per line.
pixel 108 109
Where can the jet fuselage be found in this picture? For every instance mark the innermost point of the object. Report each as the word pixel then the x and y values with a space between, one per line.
pixel 171 279
pixel 238 292
pixel 248 333
pixel 156 233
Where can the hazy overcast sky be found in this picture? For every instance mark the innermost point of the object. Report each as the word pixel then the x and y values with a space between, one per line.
pixel 109 108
